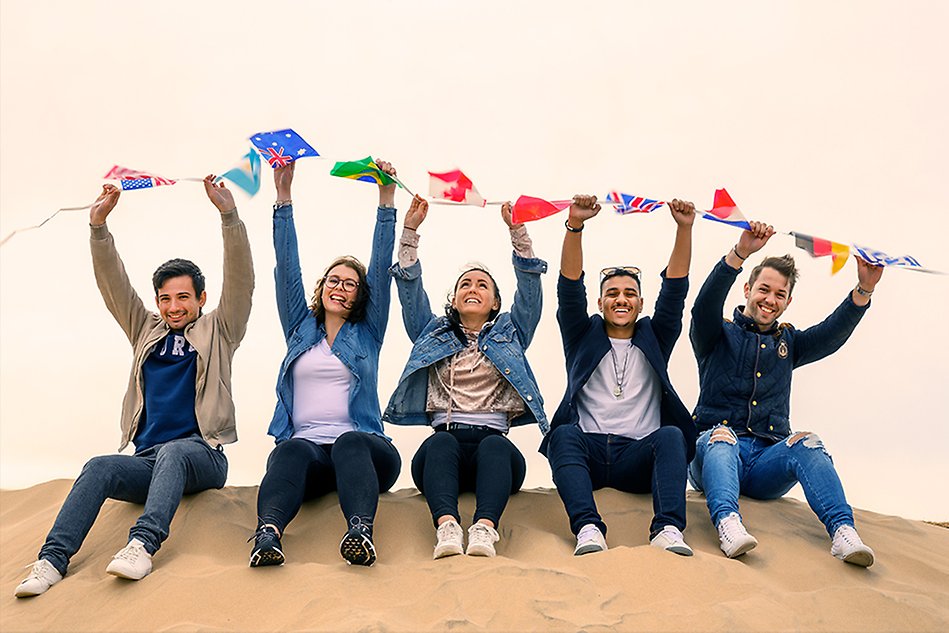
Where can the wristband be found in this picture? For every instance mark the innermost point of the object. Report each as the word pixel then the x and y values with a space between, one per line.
pixel 735 250
pixel 862 292
pixel 566 223
pixel 282 203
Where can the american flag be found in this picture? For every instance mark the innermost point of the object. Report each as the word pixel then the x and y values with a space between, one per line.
pixel 124 173
pixel 129 184
pixel 627 203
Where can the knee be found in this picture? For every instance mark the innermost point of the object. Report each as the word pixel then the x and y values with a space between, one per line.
pixel 564 435
pixel 349 443
pixel 99 470
pixel 497 444
pixel 441 441
pixel 807 444
pixel 721 437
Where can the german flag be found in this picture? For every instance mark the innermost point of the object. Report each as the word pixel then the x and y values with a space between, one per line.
pixel 819 247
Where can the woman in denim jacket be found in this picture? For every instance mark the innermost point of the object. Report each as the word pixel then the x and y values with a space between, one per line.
pixel 468 378
pixel 327 422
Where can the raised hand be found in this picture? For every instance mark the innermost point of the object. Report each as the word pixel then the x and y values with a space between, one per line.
pixel 218 194
pixel 104 204
pixel 683 212
pixel 282 179
pixel 583 208
pixel 754 240
pixel 868 275
pixel 506 215
pixel 417 212
pixel 386 192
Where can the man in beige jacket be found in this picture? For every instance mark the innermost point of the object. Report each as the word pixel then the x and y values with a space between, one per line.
pixel 178 410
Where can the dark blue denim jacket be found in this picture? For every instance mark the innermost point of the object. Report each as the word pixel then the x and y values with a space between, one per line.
pixel 503 341
pixel 357 345
pixel 585 343
pixel 745 374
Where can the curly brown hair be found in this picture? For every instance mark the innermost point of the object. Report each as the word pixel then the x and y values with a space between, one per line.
pixel 358 311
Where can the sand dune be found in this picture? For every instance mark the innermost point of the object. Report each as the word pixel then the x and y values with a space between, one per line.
pixel 202 582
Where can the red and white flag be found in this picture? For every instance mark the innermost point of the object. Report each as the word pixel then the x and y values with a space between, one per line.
pixel 124 173
pixel 455 186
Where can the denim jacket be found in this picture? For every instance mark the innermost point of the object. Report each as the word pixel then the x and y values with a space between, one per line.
pixel 585 343
pixel 503 342
pixel 745 374
pixel 357 345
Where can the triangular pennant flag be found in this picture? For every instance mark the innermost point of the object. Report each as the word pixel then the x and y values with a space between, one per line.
pixel 247 173
pixel 528 209
pixel 725 210
pixel 819 247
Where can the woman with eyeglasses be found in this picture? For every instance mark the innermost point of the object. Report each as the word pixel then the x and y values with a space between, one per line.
pixel 467 378
pixel 327 422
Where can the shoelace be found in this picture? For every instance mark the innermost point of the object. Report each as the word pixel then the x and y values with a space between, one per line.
pixel 129 552
pixel 263 530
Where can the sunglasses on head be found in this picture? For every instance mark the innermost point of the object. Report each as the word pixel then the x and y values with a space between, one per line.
pixel 613 271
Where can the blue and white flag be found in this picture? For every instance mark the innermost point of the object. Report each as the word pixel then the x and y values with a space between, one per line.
pixel 282 147
pixel 247 174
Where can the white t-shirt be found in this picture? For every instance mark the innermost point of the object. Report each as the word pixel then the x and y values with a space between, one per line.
pixel 321 384
pixel 634 413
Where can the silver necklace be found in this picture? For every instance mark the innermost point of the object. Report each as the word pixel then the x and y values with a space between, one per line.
pixel 619 375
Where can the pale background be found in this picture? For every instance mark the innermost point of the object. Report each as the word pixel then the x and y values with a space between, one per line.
pixel 824 117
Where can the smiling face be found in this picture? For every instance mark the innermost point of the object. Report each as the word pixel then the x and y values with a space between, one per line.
pixel 475 298
pixel 336 298
pixel 177 303
pixel 620 303
pixel 767 298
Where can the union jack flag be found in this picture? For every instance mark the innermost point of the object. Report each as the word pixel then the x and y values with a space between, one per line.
pixel 277 158
pixel 626 203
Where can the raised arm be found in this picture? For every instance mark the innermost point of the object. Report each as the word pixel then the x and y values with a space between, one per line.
pixel 571 255
pixel 825 338
pixel 667 316
pixel 684 215
pixel 237 288
pixel 383 243
pixel 706 328
pixel 120 297
pixel 416 309
pixel 528 297
pixel 288 278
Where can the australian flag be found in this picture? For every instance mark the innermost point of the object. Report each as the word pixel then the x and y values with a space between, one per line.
pixel 282 147
pixel 626 203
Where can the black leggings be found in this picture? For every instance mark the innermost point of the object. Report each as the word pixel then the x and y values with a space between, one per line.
pixel 466 460
pixel 358 465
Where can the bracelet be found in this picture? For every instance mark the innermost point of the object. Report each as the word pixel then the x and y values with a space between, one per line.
pixel 566 223
pixel 862 292
pixel 281 203
pixel 735 250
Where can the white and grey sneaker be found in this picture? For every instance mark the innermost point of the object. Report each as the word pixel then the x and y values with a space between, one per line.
pixel 451 540
pixel 481 540
pixel 671 540
pixel 131 562
pixel 733 537
pixel 848 547
pixel 589 540
pixel 42 577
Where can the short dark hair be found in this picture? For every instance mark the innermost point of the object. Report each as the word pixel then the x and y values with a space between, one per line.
pixel 358 311
pixel 452 312
pixel 622 273
pixel 179 268
pixel 784 265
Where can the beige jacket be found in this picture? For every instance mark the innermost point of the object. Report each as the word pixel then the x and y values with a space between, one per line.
pixel 215 335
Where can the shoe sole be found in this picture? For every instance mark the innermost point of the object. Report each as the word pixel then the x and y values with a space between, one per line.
pixel 743 549
pixel 590 548
pixel 120 574
pixel 267 557
pixel 356 549
pixel 861 559
pixel 20 593
pixel 481 551
pixel 680 550
pixel 446 551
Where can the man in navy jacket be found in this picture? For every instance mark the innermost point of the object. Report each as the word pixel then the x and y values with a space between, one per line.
pixel 620 423
pixel 745 366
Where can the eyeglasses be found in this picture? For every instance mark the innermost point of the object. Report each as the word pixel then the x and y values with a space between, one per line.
pixel 348 284
pixel 613 271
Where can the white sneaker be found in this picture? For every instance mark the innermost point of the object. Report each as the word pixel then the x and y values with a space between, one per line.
pixel 451 540
pixel 481 540
pixel 42 577
pixel 589 540
pixel 131 562
pixel 671 540
pixel 849 548
pixel 733 538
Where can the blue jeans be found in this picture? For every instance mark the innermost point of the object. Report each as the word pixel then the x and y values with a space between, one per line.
pixel 466 460
pixel 727 466
pixel 157 477
pixel 358 465
pixel 584 462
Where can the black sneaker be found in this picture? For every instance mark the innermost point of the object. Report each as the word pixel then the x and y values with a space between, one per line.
pixel 356 546
pixel 267 549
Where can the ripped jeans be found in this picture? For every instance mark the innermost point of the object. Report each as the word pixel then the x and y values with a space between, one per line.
pixel 726 466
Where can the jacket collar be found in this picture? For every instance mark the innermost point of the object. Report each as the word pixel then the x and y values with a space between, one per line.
pixel 747 323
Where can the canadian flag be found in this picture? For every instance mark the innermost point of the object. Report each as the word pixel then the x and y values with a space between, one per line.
pixel 455 186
